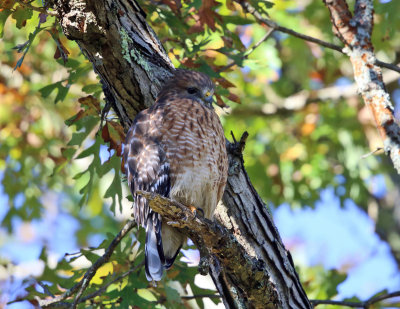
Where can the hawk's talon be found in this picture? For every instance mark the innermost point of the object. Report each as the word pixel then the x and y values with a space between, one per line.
pixel 201 211
pixel 196 210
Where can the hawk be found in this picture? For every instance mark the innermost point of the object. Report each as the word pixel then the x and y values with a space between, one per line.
pixel 175 148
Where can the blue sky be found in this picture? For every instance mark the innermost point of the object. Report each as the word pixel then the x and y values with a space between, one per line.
pixel 339 238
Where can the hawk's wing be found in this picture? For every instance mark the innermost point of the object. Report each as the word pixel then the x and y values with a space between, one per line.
pixel 147 169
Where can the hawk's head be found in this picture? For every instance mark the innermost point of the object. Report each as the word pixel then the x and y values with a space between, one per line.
pixel 190 84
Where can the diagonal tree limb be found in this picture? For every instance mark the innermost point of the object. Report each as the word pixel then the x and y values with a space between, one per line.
pixel 355 32
pixel 80 287
pixel 273 25
pixel 213 238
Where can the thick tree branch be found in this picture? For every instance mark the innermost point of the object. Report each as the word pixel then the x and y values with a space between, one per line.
pixel 251 10
pixel 355 33
pixel 257 282
pixel 216 242
pixel 124 50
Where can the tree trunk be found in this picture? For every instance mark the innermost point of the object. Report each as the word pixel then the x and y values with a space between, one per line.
pixel 132 66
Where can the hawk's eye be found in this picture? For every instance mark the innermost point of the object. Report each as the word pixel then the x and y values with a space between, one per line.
pixel 192 90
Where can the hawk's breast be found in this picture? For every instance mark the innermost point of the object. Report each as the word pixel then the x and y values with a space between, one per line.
pixel 195 147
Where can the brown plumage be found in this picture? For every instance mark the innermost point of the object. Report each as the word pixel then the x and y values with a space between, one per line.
pixel 177 149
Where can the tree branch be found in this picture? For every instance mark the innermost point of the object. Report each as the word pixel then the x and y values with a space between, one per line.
pixel 124 50
pixel 251 10
pixel 355 33
pixel 214 240
pixel 83 283
pixel 297 101
pixel 104 287
pixel 247 54
pixel 365 304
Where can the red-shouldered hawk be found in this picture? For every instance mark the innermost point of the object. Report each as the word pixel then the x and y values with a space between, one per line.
pixel 175 148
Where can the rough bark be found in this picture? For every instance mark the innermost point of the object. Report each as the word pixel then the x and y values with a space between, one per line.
pixel 124 51
pixel 355 32
pixel 132 65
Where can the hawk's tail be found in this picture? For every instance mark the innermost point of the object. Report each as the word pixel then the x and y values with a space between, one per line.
pixel 154 257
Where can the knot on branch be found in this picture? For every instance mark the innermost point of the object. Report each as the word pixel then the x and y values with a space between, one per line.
pixel 235 151
pixel 236 148
pixel 79 23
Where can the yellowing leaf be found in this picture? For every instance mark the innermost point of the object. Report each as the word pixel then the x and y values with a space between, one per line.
pixel 103 271
pixel 95 203
pixel 146 294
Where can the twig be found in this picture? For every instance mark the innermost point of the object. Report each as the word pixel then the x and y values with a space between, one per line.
pixel 371 153
pixel 82 285
pixel 246 55
pixel 238 147
pixel 382 297
pixel 363 304
pixel 251 10
pixel 315 303
pixel 104 288
pixel 104 259
pixel 37 9
pixel 45 289
pixel 201 296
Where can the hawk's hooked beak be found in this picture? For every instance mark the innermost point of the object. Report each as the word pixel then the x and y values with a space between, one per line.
pixel 208 98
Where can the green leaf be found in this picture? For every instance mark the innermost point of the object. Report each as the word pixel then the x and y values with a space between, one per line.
pixel 3 18
pixel 47 90
pixel 173 296
pixel 61 91
pixel 92 88
pixel 237 20
pixel 115 188
pixel 21 15
pixel 92 150
pixel 92 257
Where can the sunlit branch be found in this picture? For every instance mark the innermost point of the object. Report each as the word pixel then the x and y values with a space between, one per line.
pixel 247 54
pixel 297 101
pixel 251 10
pixel 355 32
pixel 80 287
